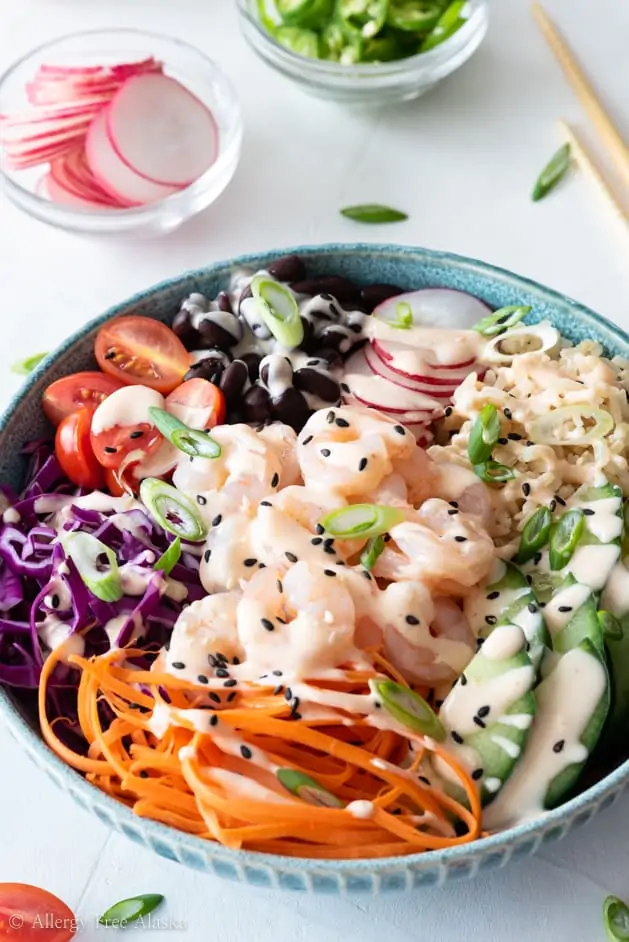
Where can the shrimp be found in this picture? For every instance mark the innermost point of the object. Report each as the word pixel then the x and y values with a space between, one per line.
pixel 282 440
pixel 300 622
pixel 228 555
pixel 447 550
pixel 461 485
pixel 278 539
pixel 429 641
pixel 203 629
pixel 351 450
pixel 307 506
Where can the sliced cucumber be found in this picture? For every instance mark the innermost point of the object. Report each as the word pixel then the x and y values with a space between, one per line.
pixel 615 733
pixel 571 616
pixel 572 704
pixel 488 712
pixel 599 547
pixel 615 596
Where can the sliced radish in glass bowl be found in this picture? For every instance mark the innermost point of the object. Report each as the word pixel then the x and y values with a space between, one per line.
pixel 117 132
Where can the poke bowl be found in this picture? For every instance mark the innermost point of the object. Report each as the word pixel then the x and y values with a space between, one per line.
pixel 369 752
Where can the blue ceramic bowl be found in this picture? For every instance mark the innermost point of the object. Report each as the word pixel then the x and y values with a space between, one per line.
pixel 410 268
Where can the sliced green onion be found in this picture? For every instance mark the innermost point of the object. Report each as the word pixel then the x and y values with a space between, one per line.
pixel 307 789
pixel 359 520
pixel 534 535
pixel 447 25
pixel 408 708
pixel 413 15
pixel 566 426
pixel 484 435
pixel 308 14
pixel 373 213
pixel 552 173
pixel 26 366
pixel 372 551
pixel 173 510
pixel 610 625
pixel 501 320
pixel 96 564
pixel 616 919
pixel 189 440
pixel 492 472
pixel 279 311
pixel 128 910
pixel 564 536
pixel 168 560
pixel 303 42
pixel 366 16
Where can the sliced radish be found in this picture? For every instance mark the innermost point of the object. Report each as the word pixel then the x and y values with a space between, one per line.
pixel 161 131
pixel 91 70
pixel 35 132
pixel 60 194
pixel 114 176
pixel 68 181
pixel 373 390
pixel 377 366
pixel 436 307
pixel 421 362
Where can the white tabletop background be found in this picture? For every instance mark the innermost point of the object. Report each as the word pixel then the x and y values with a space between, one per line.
pixel 461 162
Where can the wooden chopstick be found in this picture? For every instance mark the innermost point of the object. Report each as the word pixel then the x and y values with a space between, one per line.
pixel 610 135
pixel 586 163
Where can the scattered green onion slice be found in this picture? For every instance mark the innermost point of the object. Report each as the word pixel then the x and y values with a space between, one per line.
pixel 447 25
pixel 413 15
pixel 373 213
pixel 492 472
pixel 279 311
pixel 307 789
pixel 173 510
pixel 372 551
pixel 484 435
pixel 408 708
pixel 501 320
pixel 360 520
pixel 616 919
pixel 610 625
pixel 366 16
pixel 554 427
pixel 128 910
pixel 552 173
pixel 26 366
pixel 96 564
pixel 168 560
pixel 189 440
pixel 564 536
pixel 534 535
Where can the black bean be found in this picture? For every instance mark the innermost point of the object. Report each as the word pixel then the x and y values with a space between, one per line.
pixel 291 408
pixel 373 295
pixel 182 326
pixel 253 361
pixel 223 302
pixel 288 268
pixel 337 337
pixel 341 288
pixel 308 338
pixel 317 383
pixel 257 405
pixel 213 335
pixel 332 357
pixel 233 381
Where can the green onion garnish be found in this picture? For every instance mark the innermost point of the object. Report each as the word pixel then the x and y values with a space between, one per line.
pixel 484 435
pixel 413 16
pixel 369 555
pixel 492 472
pixel 564 537
pixel 26 366
pixel 96 564
pixel 278 309
pixel 408 708
pixel 172 510
pixel 447 25
pixel 500 320
pixel 168 560
pixel 552 173
pixel 534 535
pixel 189 440
pixel 373 213
pixel 128 910
pixel 610 625
pixel 307 789
pixel 571 425
pixel 616 919
pixel 359 520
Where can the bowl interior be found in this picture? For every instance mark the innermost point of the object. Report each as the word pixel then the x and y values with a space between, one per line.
pixel 408 268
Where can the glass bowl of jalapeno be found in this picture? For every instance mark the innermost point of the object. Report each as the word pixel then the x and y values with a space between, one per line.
pixel 364 51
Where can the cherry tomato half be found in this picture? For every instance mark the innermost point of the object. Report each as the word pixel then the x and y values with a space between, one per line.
pixel 113 483
pixel 72 392
pixel 114 445
pixel 28 914
pixel 197 403
pixel 140 350
pixel 74 450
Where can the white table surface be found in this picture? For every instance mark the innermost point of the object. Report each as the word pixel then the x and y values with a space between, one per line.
pixel 461 161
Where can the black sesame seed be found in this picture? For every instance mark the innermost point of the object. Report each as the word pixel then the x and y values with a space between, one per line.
pixel 448 412
pixel 203 679
pixel 214 697
pixel 588 511
pixel 217 520
pixel 463 680
pixel 179 665
pixel 329 572
pixel 377 704
pixel 367 575
pixel 212 660
pixel 213 720
pixel 265 503
pixel 278 690
pixel 477 774
pixel 317 541
pixel 345 387
pixel 362 464
pixel 399 429
pixel 490 619
pixel 424 780
pixel 277 673
pixel 342 423
pixel 206 555
pixel 552 506
pixel 231 696
pixel 454 503
pixel 502 441
pixel 387 537
pixel 110 355
pixel 275 480
pixel 319 528
pixel 526 488
pixel 329 541
pixel 267 624
pixel 558 747
pixel 514 437
pixel 307 440
pixel 532 607
pixel 249 562
pixel 530 443
pixel 221 657
pixel 137 434
pixel 290 557
pixel 411 620
pixel 261 565
pixel 483 711
pixel 560 500
pixel 282 621
pixel 235 661
pixel 542 604
pixel 537 559
pixel 479 643
pixel 221 672
pixel 295 716
pixel 330 550
pixel 295 705
pixel 110 450
pixel 565 608
pixel 458 739
pixel 288 695
pixel 479 722
pixel 143 773
pixel 460 539
pixel 201 500
pixel 492 596
pixel 232 682
pixel 325 452
pixel 507 413
pixel 452 512
pixel 55 601
pixel 280 587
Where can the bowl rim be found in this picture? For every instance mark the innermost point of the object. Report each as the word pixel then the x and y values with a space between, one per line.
pixel 544 827
pixel 175 200
pixel 364 70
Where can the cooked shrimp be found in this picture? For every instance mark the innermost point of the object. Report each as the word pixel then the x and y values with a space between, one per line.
pixel 392 490
pixel 228 554
pixel 282 439
pixel 461 485
pixel 365 594
pixel 350 451
pixel 300 622
pixel 421 475
pixel 204 629
pixel 307 506
pixel 447 550
pixel 278 539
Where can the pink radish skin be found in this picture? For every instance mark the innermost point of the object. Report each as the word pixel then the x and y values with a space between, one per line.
pixel 379 368
pixel 46 141
pixel 375 391
pixel 436 307
pixel 46 129
pixel 73 167
pixel 60 174
pixel 112 174
pixel 62 195
pixel 90 70
pixel 161 131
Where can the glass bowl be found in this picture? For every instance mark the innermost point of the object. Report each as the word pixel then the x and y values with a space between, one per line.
pixel 182 62
pixel 367 83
